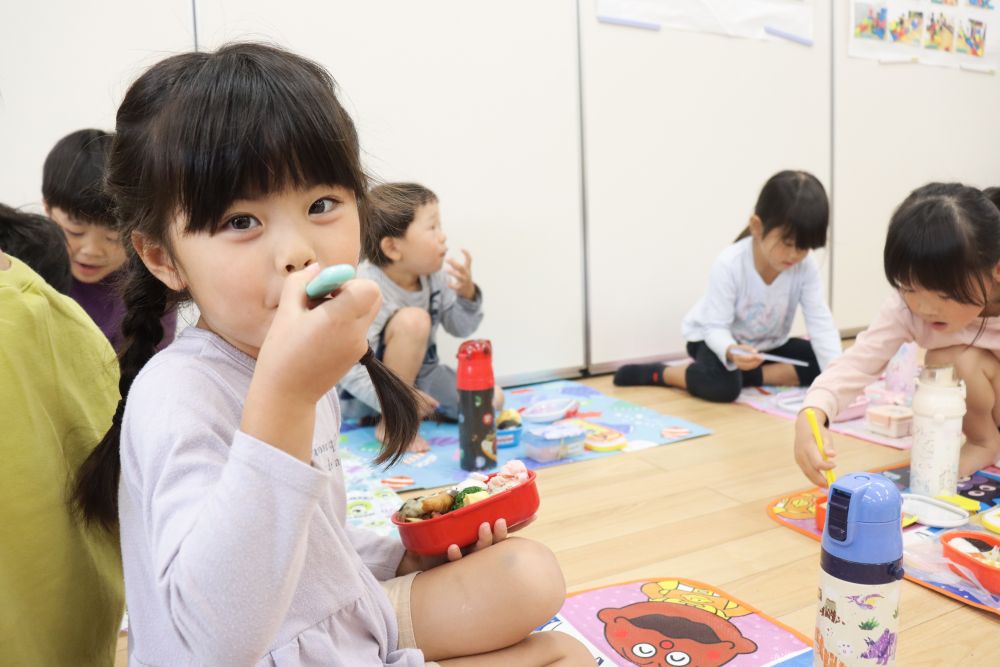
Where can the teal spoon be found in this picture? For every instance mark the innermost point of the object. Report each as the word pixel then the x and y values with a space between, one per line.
pixel 328 280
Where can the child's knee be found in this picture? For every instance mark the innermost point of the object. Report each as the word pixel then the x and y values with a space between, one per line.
pixel 974 362
pixel 945 355
pixel 409 323
pixel 722 389
pixel 536 577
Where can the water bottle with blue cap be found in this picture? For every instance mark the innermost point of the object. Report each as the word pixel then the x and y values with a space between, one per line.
pixel 862 564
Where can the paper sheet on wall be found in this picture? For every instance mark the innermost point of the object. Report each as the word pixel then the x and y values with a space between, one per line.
pixel 757 19
pixel 946 33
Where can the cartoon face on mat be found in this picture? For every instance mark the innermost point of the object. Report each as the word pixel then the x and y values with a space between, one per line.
pixel 801 506
pixel 660 634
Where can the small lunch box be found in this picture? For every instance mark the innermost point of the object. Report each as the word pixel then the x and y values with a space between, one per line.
pixel 988 575
pixel 432 537
pixel 551 443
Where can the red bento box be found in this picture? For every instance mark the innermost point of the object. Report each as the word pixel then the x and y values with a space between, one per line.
pixel 432 537
pixel 988 576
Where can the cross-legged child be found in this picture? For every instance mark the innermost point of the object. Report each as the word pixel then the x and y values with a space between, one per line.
pixel 405 250
pixel 237 175
pixel 755 287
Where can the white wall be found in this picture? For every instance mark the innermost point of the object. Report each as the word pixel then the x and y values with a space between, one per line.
pixel 64 66
pixel 897 127
pixel 681 131
pixel 481 102
pixel 478 101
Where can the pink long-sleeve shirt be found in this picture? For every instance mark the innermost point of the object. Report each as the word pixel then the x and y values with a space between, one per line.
pixel 865 361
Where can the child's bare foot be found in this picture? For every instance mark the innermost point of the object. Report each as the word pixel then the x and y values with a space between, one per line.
pixel 418 446
pixel 428 404
pixel 974 458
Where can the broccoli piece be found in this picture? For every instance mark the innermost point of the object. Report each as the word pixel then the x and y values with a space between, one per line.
pixel 460 496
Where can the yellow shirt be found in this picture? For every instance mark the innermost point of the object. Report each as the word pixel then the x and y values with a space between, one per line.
pixel 61 586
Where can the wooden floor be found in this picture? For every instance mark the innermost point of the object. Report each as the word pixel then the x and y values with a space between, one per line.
pixel 696 510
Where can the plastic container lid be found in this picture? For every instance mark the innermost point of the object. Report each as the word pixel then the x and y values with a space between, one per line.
pixel 862 524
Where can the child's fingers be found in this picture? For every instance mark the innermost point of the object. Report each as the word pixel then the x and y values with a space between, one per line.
pixel 810 466
pixel 454 553
pixel 358 298
pixel 468 258
pixel 485 536
pixel 499 530
pixel 293 292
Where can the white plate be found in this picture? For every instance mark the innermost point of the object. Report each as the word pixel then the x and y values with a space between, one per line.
pixel 933 512
pixel 550 410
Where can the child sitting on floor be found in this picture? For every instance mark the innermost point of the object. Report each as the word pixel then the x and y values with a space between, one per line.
pixel 405 250
pixel 942 256
pixel 754 289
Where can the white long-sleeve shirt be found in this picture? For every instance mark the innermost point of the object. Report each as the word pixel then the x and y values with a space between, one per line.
pixel 739 307
pixel 234 552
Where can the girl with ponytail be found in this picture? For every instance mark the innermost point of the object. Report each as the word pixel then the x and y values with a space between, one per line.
pixel 236 176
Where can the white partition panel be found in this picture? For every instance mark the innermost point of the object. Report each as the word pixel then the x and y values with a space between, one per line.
pixel 64 66
pixel 897 127
pixel 681 131
pixel 479 101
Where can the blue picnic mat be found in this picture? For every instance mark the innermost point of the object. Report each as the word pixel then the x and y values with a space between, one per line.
pixel 643 428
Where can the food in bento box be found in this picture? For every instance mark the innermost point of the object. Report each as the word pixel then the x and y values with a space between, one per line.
pixel 476 488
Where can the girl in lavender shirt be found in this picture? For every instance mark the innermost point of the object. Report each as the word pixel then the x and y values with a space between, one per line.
pixel 236 175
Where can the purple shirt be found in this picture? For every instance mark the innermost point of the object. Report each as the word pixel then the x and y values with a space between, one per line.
pixel 105 306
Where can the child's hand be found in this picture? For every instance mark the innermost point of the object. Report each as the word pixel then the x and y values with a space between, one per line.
pixel 487 538
pixel 807 453
pixel 461 275
pixel 308 350
pixel 745 362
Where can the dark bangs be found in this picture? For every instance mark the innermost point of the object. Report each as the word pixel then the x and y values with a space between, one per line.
pixel 246 121
pixel 795 203
pixel 944 239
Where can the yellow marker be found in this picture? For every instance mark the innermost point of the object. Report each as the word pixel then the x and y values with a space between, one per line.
pixel 831 477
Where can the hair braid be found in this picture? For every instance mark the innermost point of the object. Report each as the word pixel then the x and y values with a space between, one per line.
pixel 95 491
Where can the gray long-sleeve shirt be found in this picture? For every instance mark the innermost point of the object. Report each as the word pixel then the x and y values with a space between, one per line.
pixel 459 317
pixel 234 552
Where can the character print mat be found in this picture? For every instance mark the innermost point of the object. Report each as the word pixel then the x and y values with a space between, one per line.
pixel 602 417
pixel 786 402
pixel 923 551
pixel 677 622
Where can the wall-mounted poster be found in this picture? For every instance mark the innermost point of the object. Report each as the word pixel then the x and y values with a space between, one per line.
pixel 947 33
